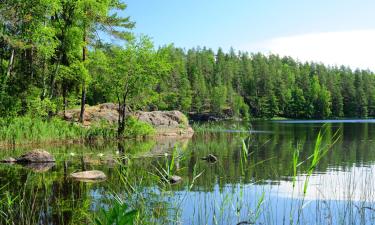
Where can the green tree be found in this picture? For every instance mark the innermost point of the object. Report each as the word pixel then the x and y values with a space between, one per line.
pixel 134 72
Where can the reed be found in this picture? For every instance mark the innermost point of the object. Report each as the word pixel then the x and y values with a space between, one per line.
pixel 28 130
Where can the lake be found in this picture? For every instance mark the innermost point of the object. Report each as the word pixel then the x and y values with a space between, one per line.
pixel 254 186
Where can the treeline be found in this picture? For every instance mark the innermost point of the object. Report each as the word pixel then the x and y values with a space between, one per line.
pixel 52 57
pixel 243 84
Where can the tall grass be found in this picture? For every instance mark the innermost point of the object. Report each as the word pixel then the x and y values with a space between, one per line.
pixel 28 130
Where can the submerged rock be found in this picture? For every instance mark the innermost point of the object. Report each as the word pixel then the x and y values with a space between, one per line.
pixel 36 156
pixel 8 160
pixel 210 158
pixel 92 175
pixel 175 179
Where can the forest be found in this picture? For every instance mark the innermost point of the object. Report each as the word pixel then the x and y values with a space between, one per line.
pixel 56 54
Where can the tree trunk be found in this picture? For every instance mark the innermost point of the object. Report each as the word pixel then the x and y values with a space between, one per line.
pixel 83 102
pixel 64 99
pixel 122 117
pixel 83 97
pixel 9 71
pixel 10 66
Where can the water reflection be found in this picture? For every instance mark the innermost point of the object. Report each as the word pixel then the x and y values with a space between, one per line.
pixel 228 191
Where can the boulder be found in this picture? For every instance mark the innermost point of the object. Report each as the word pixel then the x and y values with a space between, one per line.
pixel 163 118
pixel 8 160
pixel 89 175
pixel 36 156
pixel 166 123
pixel 175 179
pixel 210 158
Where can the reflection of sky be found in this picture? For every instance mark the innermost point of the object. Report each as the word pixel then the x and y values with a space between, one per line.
pixel 355 184
pixel 330 196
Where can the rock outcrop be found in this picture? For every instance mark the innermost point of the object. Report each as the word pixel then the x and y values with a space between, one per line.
pixel 36 156
pixel 107 112
pixel 166 123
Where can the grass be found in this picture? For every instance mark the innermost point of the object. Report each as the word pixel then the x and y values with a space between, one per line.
pixel 27 130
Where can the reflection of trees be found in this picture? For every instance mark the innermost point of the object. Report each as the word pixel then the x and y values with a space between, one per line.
pixel 274 150
pixel 59 200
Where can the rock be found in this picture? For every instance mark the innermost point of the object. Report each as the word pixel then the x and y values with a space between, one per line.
pixel 89 175
pixel 36 156
pixel 210 158
pixel 166 123
pixel 110 106
pixel 175 179
pixel 8 160
pixel 163 118
pixel 68 116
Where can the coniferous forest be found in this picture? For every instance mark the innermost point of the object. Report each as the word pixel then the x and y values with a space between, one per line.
pixel 53 56
pixel 102 125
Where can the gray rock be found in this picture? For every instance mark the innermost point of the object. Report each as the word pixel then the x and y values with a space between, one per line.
pixel 89 175
pixel 167 119
pixel 175 179
pixel 8 160
pixel 210 158
pixel 166 123
pixel 109 105
pixel 36 156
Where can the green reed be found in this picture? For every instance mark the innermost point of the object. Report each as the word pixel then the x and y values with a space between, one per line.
pixel 30 130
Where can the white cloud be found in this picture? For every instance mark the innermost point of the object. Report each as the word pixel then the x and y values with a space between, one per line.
pixel 352 48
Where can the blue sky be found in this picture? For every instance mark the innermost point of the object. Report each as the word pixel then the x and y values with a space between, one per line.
pixel 277 26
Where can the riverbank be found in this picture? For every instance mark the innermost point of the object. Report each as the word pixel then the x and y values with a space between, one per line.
pixel 100 124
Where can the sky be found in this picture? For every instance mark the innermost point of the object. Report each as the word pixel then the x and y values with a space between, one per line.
pixel 334 32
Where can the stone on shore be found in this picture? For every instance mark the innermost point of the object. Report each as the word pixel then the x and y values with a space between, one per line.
pixel 36 156
pixel 175 179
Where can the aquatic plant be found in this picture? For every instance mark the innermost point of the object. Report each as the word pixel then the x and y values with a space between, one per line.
pixel 117 213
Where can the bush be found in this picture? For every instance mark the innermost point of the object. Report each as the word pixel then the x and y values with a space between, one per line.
pixel 136 128
pixel 41 108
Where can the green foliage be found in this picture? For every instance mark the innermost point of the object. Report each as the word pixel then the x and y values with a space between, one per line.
pixel 51 54
pixel 117 213
pixel 136 128
pixel 38 108
pixel 32 129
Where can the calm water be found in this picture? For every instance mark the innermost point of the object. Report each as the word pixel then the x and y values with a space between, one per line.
pixel 257 188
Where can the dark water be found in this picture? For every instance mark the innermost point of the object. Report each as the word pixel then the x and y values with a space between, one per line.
pixel 257 189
